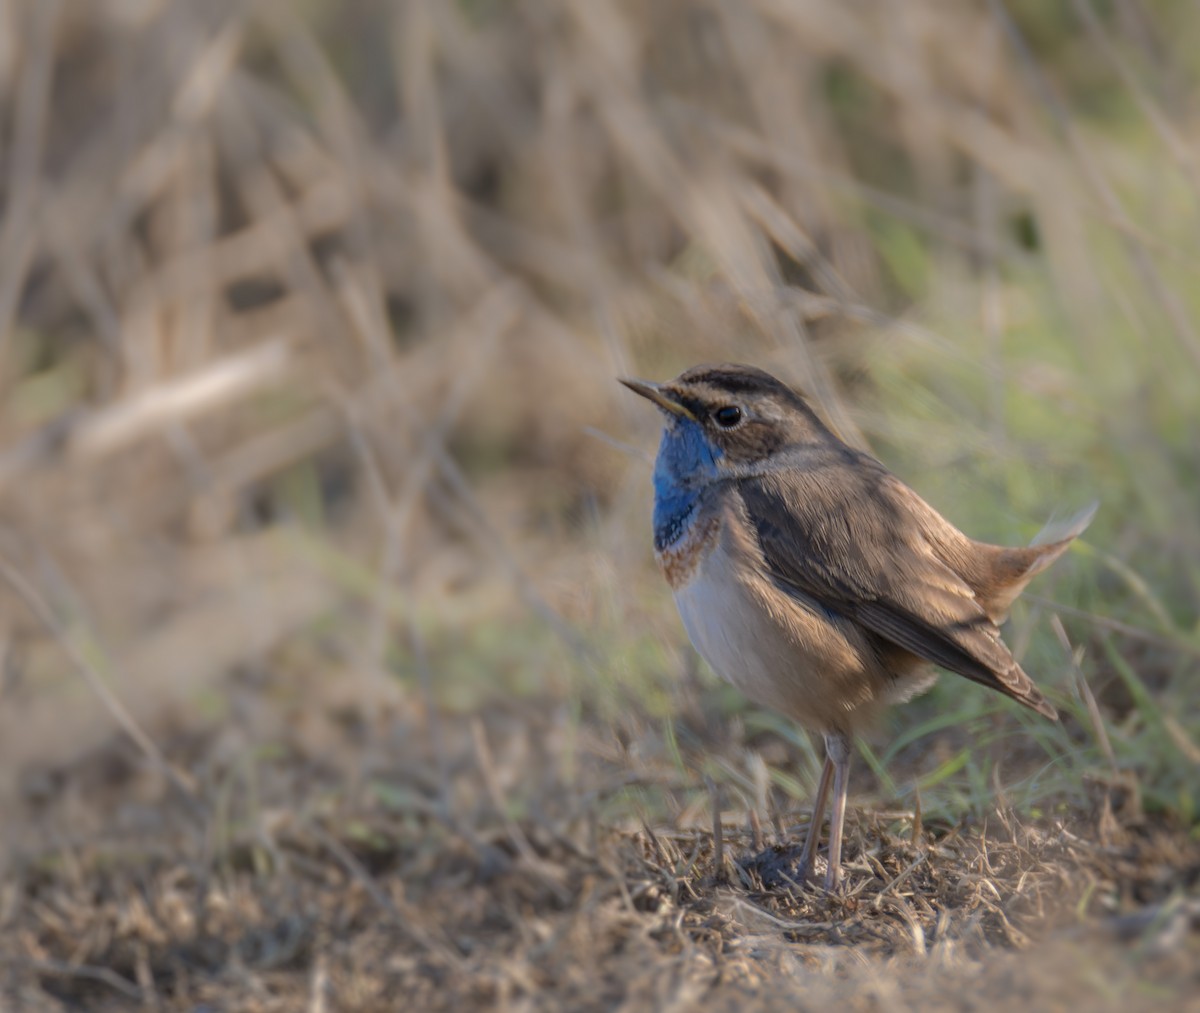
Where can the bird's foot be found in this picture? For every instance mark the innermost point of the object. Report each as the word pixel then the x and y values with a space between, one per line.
pixel 779 866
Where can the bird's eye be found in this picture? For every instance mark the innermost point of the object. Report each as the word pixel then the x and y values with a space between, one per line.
pixel 728 416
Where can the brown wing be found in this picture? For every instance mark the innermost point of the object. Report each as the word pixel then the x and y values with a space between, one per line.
pixel 848 534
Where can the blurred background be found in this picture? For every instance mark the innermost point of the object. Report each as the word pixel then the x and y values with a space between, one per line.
pixel 316 486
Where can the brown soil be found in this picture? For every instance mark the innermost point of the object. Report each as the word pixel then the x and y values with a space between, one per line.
pixel 389 899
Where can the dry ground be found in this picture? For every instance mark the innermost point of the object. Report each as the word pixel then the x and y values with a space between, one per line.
pixel 388 897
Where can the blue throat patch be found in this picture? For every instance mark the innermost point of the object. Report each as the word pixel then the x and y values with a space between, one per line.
pixel 672 516
pixel 686 463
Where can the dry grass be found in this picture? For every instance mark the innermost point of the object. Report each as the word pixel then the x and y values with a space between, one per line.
pixel 354 903
pixel 334 668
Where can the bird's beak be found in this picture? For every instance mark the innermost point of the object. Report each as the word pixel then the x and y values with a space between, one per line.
pixel 656 393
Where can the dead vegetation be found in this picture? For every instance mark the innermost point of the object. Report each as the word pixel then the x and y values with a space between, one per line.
pixel 335 674
pixel 356 904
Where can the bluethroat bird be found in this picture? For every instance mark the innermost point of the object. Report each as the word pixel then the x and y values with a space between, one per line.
pixel 812 578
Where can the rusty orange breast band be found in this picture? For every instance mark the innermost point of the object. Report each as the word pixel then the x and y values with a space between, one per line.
pixel 680 560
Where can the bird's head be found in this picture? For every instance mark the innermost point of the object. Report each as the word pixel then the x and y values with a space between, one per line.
pixel 724 420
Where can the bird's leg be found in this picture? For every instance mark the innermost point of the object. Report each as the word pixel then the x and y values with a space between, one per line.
pixel 837 749
pixel 814 826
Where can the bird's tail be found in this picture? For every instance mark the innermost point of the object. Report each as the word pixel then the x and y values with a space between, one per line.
pixel 1017 567
pixel 1067 530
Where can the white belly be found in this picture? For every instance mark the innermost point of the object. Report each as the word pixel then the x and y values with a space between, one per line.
pixel 816 668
